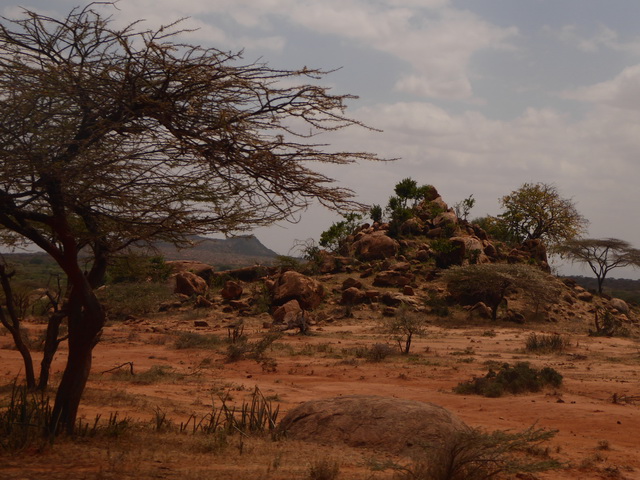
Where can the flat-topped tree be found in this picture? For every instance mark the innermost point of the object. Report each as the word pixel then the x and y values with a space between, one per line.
pixel 110 136
pixel 601 254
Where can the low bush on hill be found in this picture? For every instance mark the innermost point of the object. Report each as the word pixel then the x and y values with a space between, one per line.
pixel 520 378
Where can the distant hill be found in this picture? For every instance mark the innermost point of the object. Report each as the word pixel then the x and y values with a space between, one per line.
pixel 623 288
pixel 223 254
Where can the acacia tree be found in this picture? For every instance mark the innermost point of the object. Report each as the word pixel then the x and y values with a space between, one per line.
pixel 491 282
pixel 111 137
pixel 537 211
pixel 601 254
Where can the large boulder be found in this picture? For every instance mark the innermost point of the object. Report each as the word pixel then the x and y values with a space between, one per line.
pixel 287 313
pixel 292 285
pixel 619 305
pixel 375 246
pixel 190 284
pixel 389 424
pixel 231 290
pixel 201 269
pixel 353 296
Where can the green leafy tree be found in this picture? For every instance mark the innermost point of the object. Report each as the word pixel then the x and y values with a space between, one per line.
pixel 537 211
pixel 401 207
pixel 601 254
pixel 495 227
pixel 491 282
pixel 335 237
pixel 376 213
pixel 113 136
pixel 463 207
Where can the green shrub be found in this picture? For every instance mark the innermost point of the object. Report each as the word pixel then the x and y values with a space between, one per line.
pixel 137 267
pixel 124 299
pixel 517 379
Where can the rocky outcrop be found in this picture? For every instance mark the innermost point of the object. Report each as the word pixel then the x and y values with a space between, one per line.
pixel 530 250
pixel 201 269
pixel 375 246
pixel 190 284
pixel 389 424
pixel 231 290
pixel 292 285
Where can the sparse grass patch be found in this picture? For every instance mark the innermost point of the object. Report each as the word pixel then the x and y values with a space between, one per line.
pixel 553 343
pixel 517 379
pixel 156 374
pixel 197 340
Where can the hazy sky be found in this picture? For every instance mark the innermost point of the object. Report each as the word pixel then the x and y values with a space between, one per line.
pixel 474 96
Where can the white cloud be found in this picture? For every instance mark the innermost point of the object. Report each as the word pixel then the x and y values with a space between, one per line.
pixel 604 37
pixel 435 40
pixel 622 92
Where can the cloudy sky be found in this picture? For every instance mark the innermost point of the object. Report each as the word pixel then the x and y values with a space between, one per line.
pixel 474 96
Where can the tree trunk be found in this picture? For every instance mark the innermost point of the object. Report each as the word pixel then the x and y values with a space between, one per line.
pixel 407 345
pixel 51 344
pixel 86 319
pixel 26 357
pixel 74 380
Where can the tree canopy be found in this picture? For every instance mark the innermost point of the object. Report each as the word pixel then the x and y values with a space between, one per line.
pixel 601 254
pixel 491 282
pixel 114 136
pixel 537 211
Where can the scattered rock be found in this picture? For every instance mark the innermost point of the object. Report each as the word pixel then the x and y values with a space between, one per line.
pixel 392 278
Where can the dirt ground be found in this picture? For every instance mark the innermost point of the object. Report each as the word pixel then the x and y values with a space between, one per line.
pixel 596 437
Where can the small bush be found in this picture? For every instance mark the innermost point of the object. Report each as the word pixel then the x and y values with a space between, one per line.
pixel 607 325
pixel 324 469
pixel 241 348
pixel 517 379
pixel 546 343
pixel 475 454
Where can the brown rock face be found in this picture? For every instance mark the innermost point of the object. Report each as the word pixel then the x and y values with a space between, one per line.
pixel 353 296
pixel 287 312
pixel 201 269
pixel 388 424
pixel 190 284
pixel 376 246
pixel 392 278
pixel 295 286
pixel 231 290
